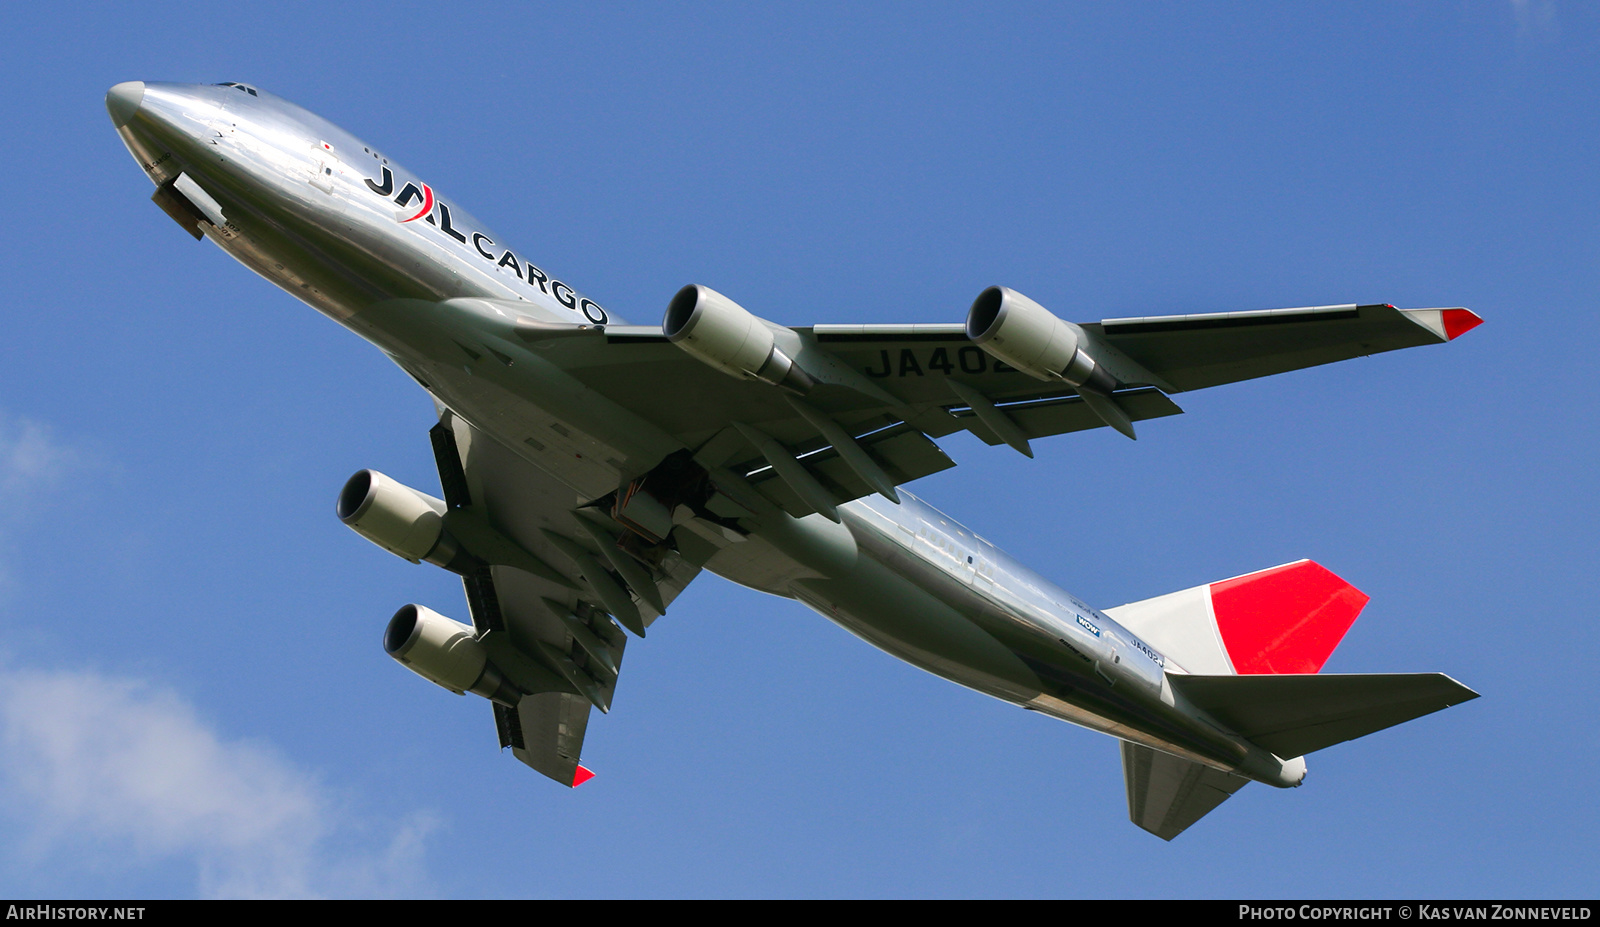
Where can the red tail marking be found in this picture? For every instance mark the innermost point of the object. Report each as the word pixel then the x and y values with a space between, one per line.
pixel 581 776
pixel 1284 620
pixel 1458 322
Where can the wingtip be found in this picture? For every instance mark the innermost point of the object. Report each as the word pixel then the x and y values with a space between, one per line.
pixel 1458 322
pixel 1446 324
pixel 582 775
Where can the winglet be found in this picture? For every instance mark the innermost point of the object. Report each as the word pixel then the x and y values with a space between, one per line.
pixel 1458 322
pixel 1446 324
pixel 580 776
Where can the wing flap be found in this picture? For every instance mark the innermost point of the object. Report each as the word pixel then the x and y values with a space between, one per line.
pixel 1166 794
pixel 904 454
pixel 1062 414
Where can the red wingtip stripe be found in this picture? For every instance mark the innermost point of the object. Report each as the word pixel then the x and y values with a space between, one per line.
pixel 581 776
pixel 1287 619
pixel 1458 322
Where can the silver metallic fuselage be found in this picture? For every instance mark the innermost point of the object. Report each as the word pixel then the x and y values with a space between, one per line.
pixel 330 219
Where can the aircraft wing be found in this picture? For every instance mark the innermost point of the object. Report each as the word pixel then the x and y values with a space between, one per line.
pixel 857 432
pixel 883 392
pixel 542 607
pixel 1196 351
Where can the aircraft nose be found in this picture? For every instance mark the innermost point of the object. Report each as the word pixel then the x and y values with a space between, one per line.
pixel 123 101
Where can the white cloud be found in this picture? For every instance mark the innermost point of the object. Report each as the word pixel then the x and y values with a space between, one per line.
pixel 117 763
pixel 100 771
pixel 1535 19
pixel 30 460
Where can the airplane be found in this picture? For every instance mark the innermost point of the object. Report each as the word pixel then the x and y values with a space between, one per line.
pixel 591 469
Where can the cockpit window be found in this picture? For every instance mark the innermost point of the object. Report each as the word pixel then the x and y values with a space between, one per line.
pixel 242 88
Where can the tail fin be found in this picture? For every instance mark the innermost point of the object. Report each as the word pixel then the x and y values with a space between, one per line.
pixel 1249 649
pixel 1166 794
pixel 1296 715
pixel 1289 715
pixel 1287 619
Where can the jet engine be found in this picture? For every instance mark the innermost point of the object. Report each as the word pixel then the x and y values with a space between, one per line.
pixel 1024 334
pixel 444 651
pixel 722 333
pixel 403 521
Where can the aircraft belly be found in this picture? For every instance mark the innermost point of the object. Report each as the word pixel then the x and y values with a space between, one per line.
pixel 1071 713
pixel 910 623
pixel 882 606
pixel 886 610
pixel 1011 626
pixel 756 564
pixel 994 639
pixel 292 266
pixel 1093 680
pixel 286 249
pixel 910 614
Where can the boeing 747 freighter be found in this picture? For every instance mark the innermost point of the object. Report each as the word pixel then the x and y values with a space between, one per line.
pixel 590 469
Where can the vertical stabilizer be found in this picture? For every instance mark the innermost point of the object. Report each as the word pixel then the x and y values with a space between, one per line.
pixel 1166 794
pixel 1287 619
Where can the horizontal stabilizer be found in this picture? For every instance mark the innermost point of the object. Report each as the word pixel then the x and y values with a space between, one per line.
pixel 1293 715
pixel 1166 794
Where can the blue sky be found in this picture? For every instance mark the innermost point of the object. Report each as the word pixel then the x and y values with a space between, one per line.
pixel 193 698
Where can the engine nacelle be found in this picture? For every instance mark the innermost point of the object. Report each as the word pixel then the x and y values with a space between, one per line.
pixel 722 333
pixel 1026 335
pixel 444 651
pixel 403 521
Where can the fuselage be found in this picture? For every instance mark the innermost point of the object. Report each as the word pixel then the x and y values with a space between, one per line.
pixel 347 230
